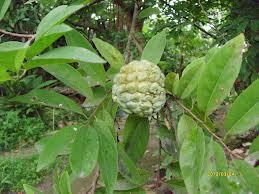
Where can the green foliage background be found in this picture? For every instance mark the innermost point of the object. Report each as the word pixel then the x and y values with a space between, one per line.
pixel 193 26
pixel 19 131
pixel 199 77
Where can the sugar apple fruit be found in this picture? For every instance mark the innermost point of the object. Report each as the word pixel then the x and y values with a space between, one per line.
pixel 139 88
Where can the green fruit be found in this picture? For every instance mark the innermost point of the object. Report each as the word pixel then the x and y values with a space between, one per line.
pixel 139 88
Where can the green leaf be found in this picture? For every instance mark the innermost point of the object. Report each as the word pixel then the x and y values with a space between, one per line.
pixel 128 169
pixel 75 38
pixel 45 41
pixel 110 53
pixel 172 82
pixel 12 54
pixel 254 147
pixel 215 161
pixel 4 76
pixel 155 47
pixel 243 114
pixel 64 183
pixel 248 175
pixel 70 77
pixel 99 95
pixel 148 12
pixel 45 84
pixel 191 159
pixel 219 74
pixel 108 154
pixel 136 136
pixel 4 5
pixel 67 54
pixel 176 84
pixel 31 190
pixel 105 119
pixel 55 145
pixel 190 77
pixel 108 105
pixel 254 157
pixel 131 191
pixel 82 1
pixel 168 141
pixel 55 17
pixel 177 186
pixel 48 98
pixel 123 185
pixel 96 72
pixel 84 154
pixel 185 124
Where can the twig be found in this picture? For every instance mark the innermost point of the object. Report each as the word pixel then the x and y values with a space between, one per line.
pixel 203 30
pixel 31 39
pixel 209 130
pixel 131 33
pixel 30 36
pixel 194 24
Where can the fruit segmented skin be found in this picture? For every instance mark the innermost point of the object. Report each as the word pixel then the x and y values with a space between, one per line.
pixel 139 88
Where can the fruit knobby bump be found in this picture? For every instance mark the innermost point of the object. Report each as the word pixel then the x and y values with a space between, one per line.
pixel 139 88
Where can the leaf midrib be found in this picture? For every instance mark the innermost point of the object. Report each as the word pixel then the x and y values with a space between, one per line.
pixel 216 83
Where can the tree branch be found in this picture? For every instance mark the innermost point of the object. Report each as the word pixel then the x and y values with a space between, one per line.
pixel 131 33
pixel 208 33
pixel 194 24
pixel 208 129
pixel 30 36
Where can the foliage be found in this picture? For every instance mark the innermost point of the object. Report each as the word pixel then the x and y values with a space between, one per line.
pixel 19 130
pixel 61 117
pixel 16 18
pixel 16 172
pixel 13 87
pixel 192 26
pixel 23 85
pixel 243 17
pixel 198 90
pixel 4 6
